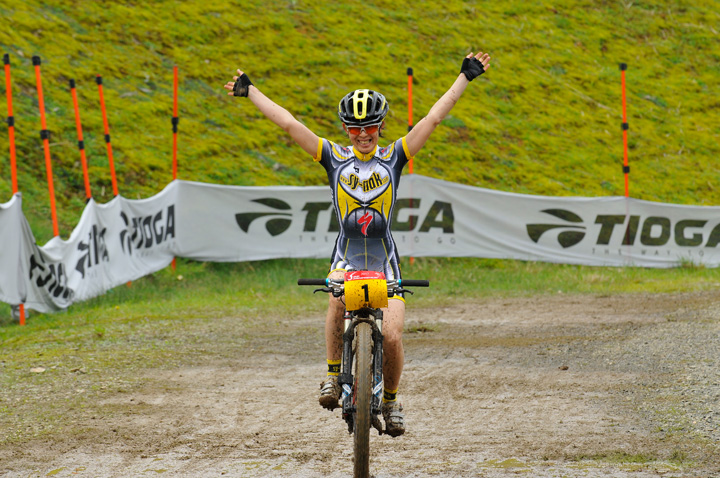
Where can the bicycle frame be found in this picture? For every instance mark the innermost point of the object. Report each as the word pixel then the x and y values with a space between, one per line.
pixel 352 319
pixel 364 301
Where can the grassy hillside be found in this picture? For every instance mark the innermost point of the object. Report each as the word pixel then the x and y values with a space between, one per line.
pixel 544 120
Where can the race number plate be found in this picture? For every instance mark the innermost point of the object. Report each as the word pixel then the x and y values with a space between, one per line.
pixel 365 289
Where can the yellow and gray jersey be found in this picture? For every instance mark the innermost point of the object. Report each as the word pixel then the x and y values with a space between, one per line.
pixel 364 189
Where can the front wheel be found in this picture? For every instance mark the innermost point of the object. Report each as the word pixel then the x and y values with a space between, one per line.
pixel 363 397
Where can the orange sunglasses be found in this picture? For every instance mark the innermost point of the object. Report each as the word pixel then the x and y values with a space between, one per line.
pixel 370 129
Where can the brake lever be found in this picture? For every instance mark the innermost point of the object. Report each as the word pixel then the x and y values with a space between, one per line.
pixel 402 291
pixel 330 290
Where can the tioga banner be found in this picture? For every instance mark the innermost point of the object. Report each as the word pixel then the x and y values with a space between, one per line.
pixel 125 239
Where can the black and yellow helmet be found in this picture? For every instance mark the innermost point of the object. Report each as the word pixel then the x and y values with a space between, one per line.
pixel 362 108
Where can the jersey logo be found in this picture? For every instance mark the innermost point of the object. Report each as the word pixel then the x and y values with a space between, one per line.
pixel 374 182
pixel 352 181
pixel 365 221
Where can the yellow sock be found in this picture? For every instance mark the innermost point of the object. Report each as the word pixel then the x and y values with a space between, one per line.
pixel 389 395
pixel 333 368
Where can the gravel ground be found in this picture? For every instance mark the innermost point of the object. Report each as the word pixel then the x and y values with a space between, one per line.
pixel 553 386
pixel 681 358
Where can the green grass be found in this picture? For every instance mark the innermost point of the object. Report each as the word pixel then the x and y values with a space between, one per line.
pixel 618 457
pixel 206 290
pixel 545 119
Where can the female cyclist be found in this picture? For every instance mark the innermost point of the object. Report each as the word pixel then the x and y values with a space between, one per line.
pixel 364 181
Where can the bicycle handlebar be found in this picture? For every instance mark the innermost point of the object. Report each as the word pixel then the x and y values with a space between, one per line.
pixel 312 282
pixel 402 282
pixel 414 283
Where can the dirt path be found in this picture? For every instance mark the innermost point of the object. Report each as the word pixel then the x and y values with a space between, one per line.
pixel 560 386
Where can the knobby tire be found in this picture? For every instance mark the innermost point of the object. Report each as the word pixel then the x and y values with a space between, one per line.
pixel 363 397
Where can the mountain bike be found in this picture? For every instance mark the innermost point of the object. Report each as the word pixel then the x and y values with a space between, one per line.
pixel 365 294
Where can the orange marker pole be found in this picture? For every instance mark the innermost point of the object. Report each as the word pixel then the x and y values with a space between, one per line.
pixel 11 137
pixel 98 80
pixel 21 307
pixel 45 135
pixel 81 143
pixel 410 127
pixel 175 122
pixel 11 124
pixel 410 110
pixel 625 127
pixel 107 136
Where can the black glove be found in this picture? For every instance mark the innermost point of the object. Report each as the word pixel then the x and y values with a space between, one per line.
pixel 242 86
pixel 472 68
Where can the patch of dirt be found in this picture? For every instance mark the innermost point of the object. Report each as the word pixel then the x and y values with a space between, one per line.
pixel 621 386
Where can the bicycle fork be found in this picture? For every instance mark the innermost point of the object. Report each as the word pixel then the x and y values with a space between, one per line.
pixel 377 371
pixel 346 379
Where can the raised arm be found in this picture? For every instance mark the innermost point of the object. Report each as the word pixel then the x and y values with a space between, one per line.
pixel 473 66
pixel 306 139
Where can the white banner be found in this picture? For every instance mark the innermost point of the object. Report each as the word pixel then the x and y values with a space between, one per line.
pixel 12 226
pixel 124 240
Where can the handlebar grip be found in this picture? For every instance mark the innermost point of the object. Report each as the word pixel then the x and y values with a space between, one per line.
pixel 414 283
pixel 312 282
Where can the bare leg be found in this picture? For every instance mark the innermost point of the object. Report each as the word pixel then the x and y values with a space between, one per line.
pixel 393 322
pixel 334 324
pixel 329 388
pixel 393 353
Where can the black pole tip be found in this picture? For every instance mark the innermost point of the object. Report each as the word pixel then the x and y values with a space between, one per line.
pixel 623 66
pixel 72 84
pixel 409 71
pixel 98 80
pixel 6 59
pixel 36 60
